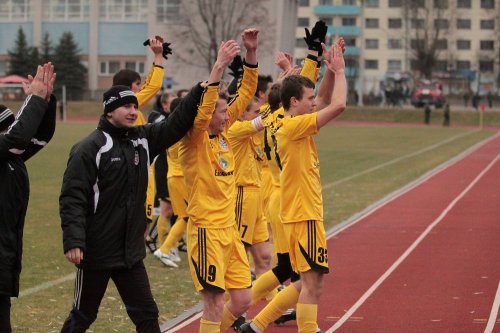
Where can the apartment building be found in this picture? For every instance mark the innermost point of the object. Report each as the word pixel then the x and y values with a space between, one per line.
pixel 381 38
pixel 109 34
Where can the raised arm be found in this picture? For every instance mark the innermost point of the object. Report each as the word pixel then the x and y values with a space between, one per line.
pixel 154 80
pixel 335 63
pixel 326 85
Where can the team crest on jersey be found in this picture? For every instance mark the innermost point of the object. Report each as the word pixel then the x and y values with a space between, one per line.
pixel 223 163
pixel 223 143
pixel 136 158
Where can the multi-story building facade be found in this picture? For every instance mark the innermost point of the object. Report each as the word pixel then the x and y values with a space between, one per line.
pixel 109 34
pixel 381 37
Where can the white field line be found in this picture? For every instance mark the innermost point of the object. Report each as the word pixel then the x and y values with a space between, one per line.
pixel 494 312
pixel 399 159
pixel 410 249
pixel 46 285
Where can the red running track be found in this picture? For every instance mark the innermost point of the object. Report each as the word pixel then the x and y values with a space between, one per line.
pixel 426 260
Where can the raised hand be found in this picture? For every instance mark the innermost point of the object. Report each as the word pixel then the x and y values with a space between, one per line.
pixel 227 51
pixel 42 84
pixel 334 58
pixel 282 61
pixel 250 39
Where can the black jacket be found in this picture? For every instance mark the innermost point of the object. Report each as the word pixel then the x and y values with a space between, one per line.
pixel 102 201
pixel 33 128
pixel 161 163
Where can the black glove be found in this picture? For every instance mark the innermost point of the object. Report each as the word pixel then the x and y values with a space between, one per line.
pixel 166 47
pixel 316 37
pixel 236 67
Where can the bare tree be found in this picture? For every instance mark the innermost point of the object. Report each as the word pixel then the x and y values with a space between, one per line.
pixel 205 23
pixel 427 20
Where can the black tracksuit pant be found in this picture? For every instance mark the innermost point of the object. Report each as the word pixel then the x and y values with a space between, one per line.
pixel 134 289
pixel 5 314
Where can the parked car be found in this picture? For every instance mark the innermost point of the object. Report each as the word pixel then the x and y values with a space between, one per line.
pixel 428 92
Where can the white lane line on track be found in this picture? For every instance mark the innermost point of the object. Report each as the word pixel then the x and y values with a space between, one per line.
pixel 410 249
pixel 494 312
pixel 364 213
pixel 46 285
pixel 399 159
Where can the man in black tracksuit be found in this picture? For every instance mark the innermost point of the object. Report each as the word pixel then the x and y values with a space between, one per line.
pixel 102 206
pixel 21 137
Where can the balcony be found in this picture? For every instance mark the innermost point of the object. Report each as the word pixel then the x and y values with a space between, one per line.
pixel 346 30
pixel 324 10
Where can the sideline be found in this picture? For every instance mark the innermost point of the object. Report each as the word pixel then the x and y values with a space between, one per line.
pixel 494 312
pixel 410 249
pixel 195 313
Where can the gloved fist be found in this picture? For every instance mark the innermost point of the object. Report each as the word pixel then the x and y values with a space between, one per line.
pixel 166 46
pixel 236 67
pixel 316 36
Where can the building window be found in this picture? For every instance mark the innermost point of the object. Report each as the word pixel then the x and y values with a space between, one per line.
pixel 488 24
pixel 416 44
pixel 394 44
pixel 300 42
pixel 304 3
pixel 441 44
pixel 395 23
pixel 394 65
pixel 349 2
pixel 14 10
pixel 371 23
pixel 123 10
pixel 463 4
pixel 487 45
pixel 463 24
pixel 109 67
pixel 486 65
pixel 137 66
pixel 463 44
pixel 349 21
pixel 417 23
pixel 418 3
pixel 441 24
pixel 325 2
pixel 487 4
pixel 327 20
pixel 303 21
pixel 168 11
pixel 463 64
pixel 395 3
pixel 350 41
pixel 441 4
pixel 371 3
pixel 371 43
pixel 371 64
pixel 441 65
pixel 66 10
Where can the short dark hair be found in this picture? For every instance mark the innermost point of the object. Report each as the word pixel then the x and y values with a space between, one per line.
pixel 262 82
pixel 274 98
pixel 179 93
pixel 125 77
pixel 293 86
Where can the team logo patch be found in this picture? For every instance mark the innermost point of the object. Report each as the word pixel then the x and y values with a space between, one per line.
pixel 223 143
pixel 223 163
pixel 136 158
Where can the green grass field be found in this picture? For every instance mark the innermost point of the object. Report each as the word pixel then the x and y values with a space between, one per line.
pixel 359 165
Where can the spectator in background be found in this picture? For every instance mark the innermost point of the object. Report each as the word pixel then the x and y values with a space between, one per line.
pixel 446 115
pixel 489 98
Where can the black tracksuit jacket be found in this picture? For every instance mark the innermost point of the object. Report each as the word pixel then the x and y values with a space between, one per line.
pixel 33 128
pixel 102 201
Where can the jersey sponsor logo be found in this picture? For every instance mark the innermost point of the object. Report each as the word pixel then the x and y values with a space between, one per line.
pixel 223 173
pixel 115 159
pixel 136 158
pixel 223 143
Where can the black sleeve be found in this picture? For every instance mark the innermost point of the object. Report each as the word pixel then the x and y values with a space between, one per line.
pixel 78 180
pixel 232 88
pixel 161 169
pixel 19 136
pixel 163 134
pixel 45 130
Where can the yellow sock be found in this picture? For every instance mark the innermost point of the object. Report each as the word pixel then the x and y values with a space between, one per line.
pixel 264 284
pixel 284 300
pixel 175 234
pixel 307 316
pixel 227 319
pixel 162 226
pixel 207 326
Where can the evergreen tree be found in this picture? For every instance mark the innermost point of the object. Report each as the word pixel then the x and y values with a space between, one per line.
pixel 20 57
pixel 46 49
pixel 70 72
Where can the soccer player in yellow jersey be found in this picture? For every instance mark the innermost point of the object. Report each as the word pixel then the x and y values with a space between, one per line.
pixel 216 255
